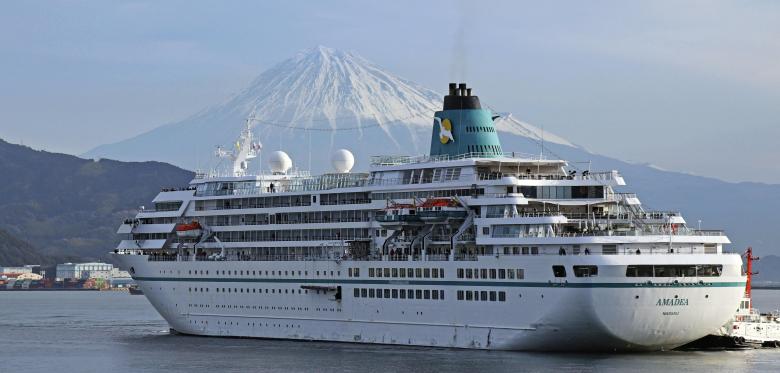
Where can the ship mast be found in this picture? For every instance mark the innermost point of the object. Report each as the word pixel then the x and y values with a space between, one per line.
pixel 749 258
pixel 246 148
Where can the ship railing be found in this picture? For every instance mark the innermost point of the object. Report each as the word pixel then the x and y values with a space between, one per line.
pixel 394 160
pixel 466 257
pixel 500 195
pixel 154 257
pixel 626 251
pixel 540 214
pixel 620 233
pixel 429 179
pixel 302 184
pixel 309 221
pixel 438 257
pixel 129 251
pixel 659 215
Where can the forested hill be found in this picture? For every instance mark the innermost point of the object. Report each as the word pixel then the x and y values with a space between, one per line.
pixel 66 206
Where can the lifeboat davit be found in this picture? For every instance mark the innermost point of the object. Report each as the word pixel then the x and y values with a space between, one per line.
pixel 191 230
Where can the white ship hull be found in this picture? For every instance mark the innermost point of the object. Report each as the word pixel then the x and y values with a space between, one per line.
pixel 603 313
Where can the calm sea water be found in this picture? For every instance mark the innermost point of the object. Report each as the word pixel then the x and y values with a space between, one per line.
pixel 117 332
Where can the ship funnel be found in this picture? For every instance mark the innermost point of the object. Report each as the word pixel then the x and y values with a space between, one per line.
pixel 463 127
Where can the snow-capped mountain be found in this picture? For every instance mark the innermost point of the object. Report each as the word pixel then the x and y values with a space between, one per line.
pixel 323 99
pixel 318 101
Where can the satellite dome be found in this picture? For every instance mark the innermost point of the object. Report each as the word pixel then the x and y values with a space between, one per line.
pixel 342 160
pixel 279 162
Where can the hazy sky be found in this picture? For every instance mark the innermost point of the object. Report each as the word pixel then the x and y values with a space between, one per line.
pixel 689 86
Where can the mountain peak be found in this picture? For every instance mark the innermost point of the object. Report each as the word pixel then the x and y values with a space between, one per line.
pixel 319 100
pixel 324 53
pixel 323 84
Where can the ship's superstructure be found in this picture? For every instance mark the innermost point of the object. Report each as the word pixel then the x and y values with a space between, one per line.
pixel 468 247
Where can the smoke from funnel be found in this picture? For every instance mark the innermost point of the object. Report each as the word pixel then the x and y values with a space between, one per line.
pixel 458 66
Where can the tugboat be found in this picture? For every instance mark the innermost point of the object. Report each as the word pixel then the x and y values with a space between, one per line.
pixel 748 328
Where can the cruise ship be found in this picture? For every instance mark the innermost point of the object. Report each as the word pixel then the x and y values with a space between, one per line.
pixel 468 246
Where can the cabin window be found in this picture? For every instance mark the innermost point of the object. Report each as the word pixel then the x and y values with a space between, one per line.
pixel 639 271
pixel 559 271
pixel 586 271
pixel 501 296
pixel 387 272
pixel 709 270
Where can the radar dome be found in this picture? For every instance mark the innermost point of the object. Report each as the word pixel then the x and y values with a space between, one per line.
pixel 342 160
pixel 279 162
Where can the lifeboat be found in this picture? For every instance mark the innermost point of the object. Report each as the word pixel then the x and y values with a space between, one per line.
pixel 435 210
pixel 189 230
pixel 399 215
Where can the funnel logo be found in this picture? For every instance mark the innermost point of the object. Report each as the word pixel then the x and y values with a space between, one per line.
pixel 445 130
